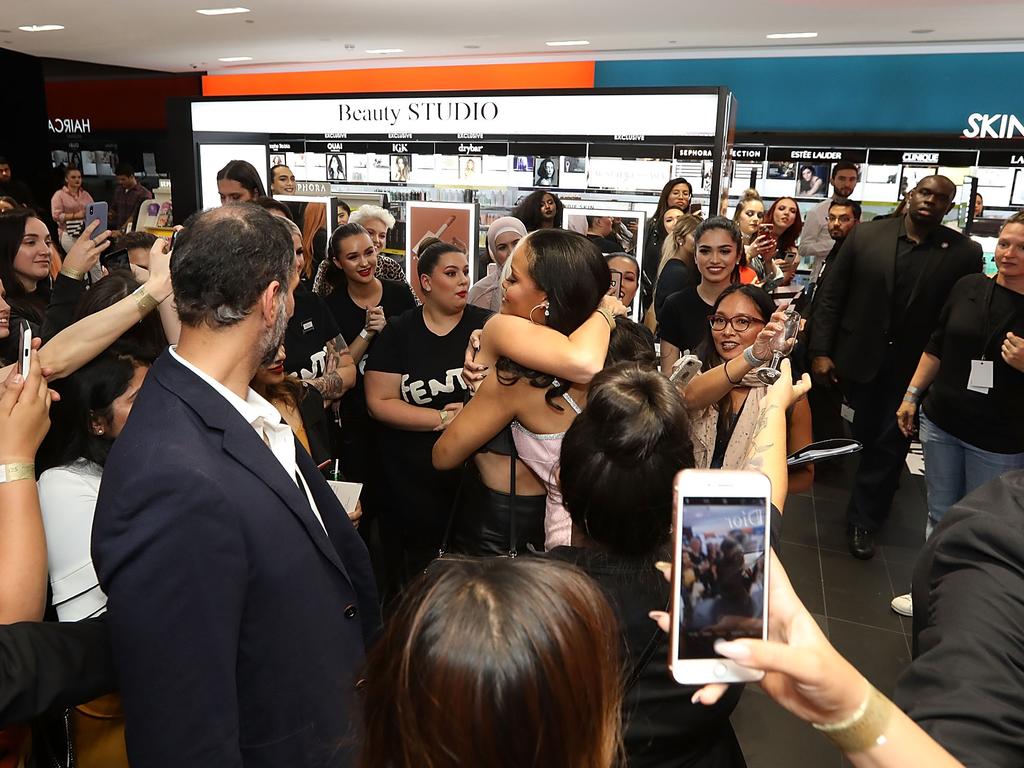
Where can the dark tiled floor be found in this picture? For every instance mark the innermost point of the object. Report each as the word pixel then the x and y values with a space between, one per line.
pixel 849 598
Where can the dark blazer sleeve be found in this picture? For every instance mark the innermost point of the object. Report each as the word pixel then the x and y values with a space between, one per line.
pixel 965 685
pixel 172 562
pixel 831 299
pixel 47 665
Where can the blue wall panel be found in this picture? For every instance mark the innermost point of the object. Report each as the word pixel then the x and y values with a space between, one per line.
pixel 929 93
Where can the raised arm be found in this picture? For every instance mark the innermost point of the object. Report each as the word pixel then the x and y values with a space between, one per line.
pixel 77 344
pixel 24 420
pixel 490 410
pixel 768 442
pixel 712 385
pixel 577 357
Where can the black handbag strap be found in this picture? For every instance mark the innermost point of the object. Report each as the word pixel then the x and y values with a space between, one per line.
pixel 513 547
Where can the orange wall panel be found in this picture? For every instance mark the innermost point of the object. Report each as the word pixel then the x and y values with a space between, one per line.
pixel 576 74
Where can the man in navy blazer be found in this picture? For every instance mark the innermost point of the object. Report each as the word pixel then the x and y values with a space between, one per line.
pixel 240 598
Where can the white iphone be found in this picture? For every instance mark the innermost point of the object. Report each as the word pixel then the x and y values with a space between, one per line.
pixel 24 347
pixel 720 573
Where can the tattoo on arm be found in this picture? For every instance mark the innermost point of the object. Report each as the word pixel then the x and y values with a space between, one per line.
pixel 754 458
pixel 330 385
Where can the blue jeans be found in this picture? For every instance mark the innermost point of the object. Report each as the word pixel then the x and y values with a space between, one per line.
pixel 953 468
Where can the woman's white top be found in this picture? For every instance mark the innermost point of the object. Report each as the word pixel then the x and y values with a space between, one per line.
pixel 67 498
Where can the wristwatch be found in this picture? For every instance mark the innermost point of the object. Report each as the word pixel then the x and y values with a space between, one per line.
pixel 364 334
pixel 22 471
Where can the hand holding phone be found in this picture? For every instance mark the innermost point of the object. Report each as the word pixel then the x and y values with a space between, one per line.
pixel 615 289
pixel 720 588
pixel 96 212
pixel 115 260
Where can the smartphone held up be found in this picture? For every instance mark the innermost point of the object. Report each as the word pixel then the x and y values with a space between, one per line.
pixel 720 574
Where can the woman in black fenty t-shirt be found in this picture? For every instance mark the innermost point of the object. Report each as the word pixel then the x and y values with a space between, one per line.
pixel 362 305
pixel 972 425
pixel 414 388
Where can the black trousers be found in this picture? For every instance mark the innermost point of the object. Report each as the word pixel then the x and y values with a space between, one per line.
pixel 885 447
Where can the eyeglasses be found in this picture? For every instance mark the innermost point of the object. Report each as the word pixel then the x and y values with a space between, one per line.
pixel 844 219
pixel 739 323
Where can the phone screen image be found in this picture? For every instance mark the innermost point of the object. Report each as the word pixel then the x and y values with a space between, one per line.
pixel 722 584
pixel 116 259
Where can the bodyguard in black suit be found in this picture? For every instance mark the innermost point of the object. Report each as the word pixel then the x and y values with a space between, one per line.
pixel 241 599
pixel 872 319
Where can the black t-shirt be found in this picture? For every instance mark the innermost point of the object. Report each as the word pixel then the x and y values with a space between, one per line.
pixel 396 298
pixel 606 244
pixel 431 368
pixel 311 326
pixel 683 319
pixel 992 422
pixel 675 277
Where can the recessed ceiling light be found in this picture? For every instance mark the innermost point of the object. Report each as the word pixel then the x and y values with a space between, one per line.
pixel 560 43
pixel 386 50
pixel 921 31
pixel 41 28
pixel 790 35
pixel 471 47
pixel 229 59
pixel 221 11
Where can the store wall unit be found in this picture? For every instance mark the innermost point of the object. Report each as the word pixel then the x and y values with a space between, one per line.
pixel 23 137
pixel 930 93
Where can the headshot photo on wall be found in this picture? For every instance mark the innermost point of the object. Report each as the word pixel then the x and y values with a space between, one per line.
pixel 545 172
pixel 469 167
pixel 782 171
pixel 812 180
pixel 336 167
pixel 522 163
pixel 277 159
pixel 401 166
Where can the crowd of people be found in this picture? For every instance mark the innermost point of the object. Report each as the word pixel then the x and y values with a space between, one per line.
pixel 180 584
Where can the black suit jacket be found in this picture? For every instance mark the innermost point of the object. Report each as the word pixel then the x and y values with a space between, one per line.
pixel 238 626
pixel 965 686
pixel 49 665
pixel 853 308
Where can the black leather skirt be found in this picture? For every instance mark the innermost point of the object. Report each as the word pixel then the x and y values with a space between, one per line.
pixel 484 523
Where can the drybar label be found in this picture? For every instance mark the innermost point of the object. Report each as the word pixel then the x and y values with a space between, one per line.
pixel 998 126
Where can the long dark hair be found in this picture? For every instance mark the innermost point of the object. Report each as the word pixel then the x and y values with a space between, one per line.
pixel 145 340
pixel 621 454
pixel 244 173
pixel 334 274
pixel 86 394
pixel 528 210
pixel 663 203
pixel 31 306
pixel 499 663
pixel 788 238
pixel 573 273
pixel 708 353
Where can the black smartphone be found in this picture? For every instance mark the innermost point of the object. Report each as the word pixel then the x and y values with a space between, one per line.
pixel 115 260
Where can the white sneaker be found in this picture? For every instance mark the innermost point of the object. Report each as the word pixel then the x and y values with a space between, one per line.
pixel 903 605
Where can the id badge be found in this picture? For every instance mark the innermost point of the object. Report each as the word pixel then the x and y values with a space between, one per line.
pixel 981 379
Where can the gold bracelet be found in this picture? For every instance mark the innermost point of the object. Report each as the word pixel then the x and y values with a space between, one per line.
pixel 144 301
pixel 21 471
pixel 865 728
pixel 74 274
pixel 607 314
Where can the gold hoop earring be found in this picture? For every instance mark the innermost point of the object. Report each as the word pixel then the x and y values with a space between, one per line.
pixel 547 312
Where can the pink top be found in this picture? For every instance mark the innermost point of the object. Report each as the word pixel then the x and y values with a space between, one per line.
pixel 540 453
pixel 64 202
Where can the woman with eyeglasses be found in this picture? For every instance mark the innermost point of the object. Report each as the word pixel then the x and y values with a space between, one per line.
pixel 724 400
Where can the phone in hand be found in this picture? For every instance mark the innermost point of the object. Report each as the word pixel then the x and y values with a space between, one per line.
pixel 766 230
pixel 720 572
pixel 115 260
pixel 24 347
pixel 684 369
pixel 96 212
pixel 616 285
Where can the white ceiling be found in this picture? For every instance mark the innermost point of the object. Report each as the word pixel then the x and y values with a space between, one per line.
pixel 313 34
